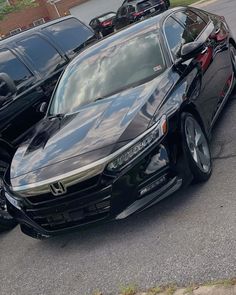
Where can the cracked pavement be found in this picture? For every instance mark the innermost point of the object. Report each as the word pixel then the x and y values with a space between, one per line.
pixel 189 237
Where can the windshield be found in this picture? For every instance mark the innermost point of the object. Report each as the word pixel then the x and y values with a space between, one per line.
pixel 106 17
pixel 101 74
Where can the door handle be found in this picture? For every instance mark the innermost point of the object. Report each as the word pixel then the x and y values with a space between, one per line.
pixel 204 50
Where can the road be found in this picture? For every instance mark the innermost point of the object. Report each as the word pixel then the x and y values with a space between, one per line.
pixel 189 237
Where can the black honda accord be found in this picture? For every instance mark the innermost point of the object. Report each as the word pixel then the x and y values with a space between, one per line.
pixel 128 124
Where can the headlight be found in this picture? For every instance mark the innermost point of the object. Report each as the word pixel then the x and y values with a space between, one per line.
pixel 143 143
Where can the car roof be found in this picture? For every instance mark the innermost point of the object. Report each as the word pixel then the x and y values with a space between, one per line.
pixel 25 33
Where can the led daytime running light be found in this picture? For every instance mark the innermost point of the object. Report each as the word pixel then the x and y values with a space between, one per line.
pixel 140 147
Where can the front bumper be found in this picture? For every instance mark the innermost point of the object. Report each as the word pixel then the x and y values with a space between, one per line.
pixel 99 199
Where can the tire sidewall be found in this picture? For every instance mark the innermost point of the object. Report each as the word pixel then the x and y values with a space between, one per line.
pixel 198 174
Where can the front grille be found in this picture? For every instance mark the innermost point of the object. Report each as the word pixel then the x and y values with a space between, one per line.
pixel 83 188
pixel 81 205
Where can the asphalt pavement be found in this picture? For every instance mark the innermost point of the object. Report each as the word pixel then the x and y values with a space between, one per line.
pixel 189 237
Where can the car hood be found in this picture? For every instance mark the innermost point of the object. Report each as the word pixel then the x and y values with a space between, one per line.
pixel 59 145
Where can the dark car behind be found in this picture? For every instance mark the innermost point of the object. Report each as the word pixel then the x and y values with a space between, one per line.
pixel 103 25
pixel 133 11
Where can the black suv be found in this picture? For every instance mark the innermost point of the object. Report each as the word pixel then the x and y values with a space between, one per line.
pixel 134 10
pixel 30 65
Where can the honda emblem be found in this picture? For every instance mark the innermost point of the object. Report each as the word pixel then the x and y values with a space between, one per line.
pixel 57 188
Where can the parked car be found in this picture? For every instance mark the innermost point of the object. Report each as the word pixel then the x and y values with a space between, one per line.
pixel 103 24
pixel 123 130
pixel 154 1
pixel 133 11
pixel 30 65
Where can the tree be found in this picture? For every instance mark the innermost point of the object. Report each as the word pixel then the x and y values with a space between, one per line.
pixel 6 8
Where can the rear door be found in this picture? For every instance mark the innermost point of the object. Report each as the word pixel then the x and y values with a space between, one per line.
pixel 214 60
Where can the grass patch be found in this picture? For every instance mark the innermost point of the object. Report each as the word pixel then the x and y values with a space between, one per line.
pixel 170 290
pixel 129 290
pixel 224 283
pixel 181 2
pixel 155 291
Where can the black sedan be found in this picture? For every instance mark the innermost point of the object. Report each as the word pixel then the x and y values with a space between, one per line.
pixel 103 24
pixel 136 10
pixel 128 124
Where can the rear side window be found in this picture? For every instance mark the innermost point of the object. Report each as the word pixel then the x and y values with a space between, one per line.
pixel 70 35
pixel 176 36
pixel 193 22
pixel 45 57
pixel 11 65
pixel 202 15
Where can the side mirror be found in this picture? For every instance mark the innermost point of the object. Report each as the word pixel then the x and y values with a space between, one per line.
pixel 189 51
pixel 7 85
pixel 43 107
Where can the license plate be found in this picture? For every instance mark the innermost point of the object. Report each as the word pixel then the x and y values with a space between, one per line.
pixel 152 10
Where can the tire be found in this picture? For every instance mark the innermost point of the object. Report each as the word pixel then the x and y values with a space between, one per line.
pixel 196 148
pixel 6 221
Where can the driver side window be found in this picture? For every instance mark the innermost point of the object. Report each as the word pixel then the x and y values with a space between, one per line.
pixel 176 36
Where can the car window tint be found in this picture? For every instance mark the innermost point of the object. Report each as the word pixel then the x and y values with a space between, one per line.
pixel 176 36
pixel 70 34
pixel 12 66
pixel 193 22
pixel 101 74
pixel 202 15
pixel 41 53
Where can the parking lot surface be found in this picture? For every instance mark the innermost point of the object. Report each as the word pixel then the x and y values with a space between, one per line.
pixel 189 237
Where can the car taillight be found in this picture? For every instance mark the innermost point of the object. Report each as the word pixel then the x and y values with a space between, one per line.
pixel 138 13
pixel 106 23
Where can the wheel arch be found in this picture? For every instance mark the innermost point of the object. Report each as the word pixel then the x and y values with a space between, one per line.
pixel 190 108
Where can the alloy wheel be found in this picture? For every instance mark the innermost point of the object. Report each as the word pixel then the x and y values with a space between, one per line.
pixel 198 145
